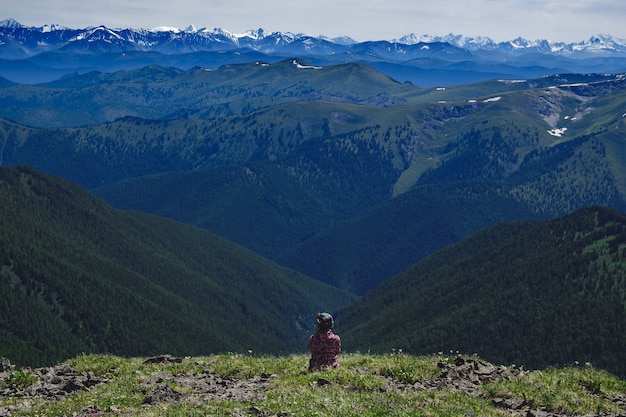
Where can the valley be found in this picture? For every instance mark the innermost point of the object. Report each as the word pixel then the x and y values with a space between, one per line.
pixel 229 204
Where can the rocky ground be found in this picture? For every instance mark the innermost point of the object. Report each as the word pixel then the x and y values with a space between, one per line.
pixel 54 383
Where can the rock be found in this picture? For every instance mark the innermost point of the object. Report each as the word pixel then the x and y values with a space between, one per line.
pixel 163 393
pixel 514 403
pixel 537 413
pixel 5 365
pixel 163 359
pixel 73 386
pixel 63 369
pixel 53 383
pixel 321 382
pixel 91 410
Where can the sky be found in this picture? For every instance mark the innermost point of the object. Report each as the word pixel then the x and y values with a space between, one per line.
pixel 362 20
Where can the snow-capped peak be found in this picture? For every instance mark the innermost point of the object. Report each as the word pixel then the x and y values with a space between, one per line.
pixel 165 29
pixel 51 28
pixel 259 39
pixel 259 33
pixel 595 44
pixel 457 40
pixel 11 24
pixel 599 43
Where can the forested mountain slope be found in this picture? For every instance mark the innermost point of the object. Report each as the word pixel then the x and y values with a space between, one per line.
pixel 534 293
pixel 360 253
pixel 79 276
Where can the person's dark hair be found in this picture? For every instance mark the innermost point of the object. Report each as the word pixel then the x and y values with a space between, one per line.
pixel 325 321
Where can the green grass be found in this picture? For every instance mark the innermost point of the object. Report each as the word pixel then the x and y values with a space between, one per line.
pixel 570 391
pixel 19 380
pixel 365 385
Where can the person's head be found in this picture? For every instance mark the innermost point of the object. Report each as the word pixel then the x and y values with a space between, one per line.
pixel 324 321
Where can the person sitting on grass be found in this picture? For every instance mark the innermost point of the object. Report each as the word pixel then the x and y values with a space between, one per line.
pixel 324 344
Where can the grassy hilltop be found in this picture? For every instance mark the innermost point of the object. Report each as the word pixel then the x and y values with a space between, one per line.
pixel 365 385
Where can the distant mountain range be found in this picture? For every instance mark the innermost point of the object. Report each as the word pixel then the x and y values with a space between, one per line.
pixel 166 39
pixel 339 172
pixel 39 54
pixel 599 44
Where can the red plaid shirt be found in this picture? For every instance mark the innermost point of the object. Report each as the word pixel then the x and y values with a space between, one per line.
pixel 324 346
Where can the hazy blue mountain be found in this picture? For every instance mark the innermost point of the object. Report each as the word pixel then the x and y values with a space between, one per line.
pixel 286 179
pixel 156 92
pixel 40 54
